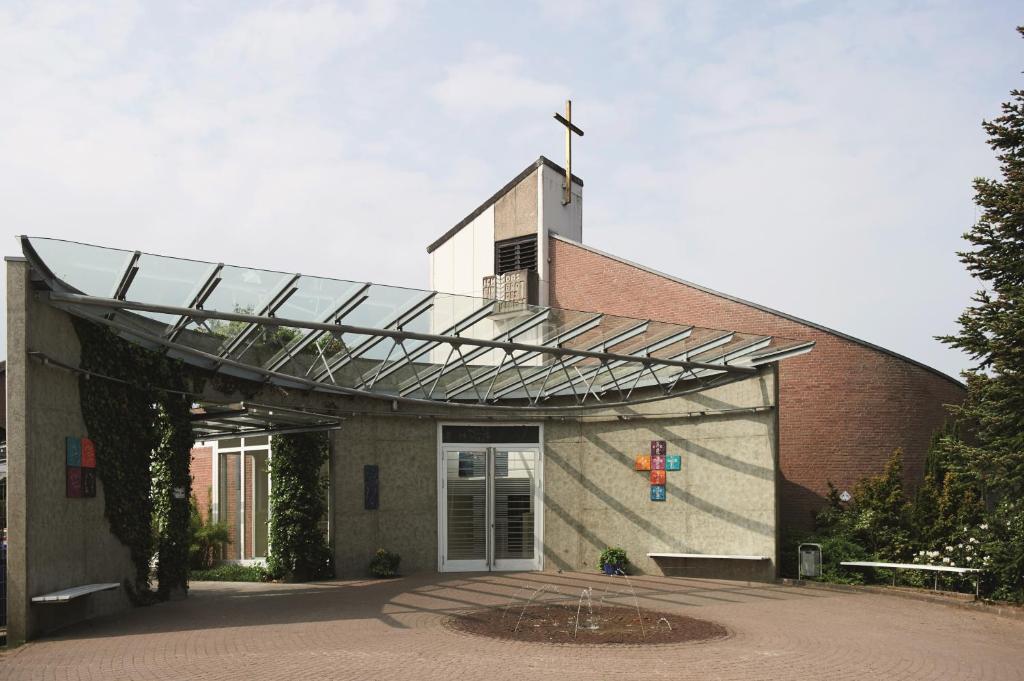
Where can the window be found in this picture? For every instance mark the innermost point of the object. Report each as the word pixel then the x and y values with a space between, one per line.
pixel 490 434
pixel 515 254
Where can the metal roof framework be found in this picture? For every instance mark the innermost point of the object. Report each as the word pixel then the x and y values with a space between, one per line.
pixel 212 421
pixel 384 342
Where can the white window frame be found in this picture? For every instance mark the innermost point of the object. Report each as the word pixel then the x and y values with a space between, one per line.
pixel 441 471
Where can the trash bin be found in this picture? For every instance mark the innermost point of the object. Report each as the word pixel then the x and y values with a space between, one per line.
pixel 808 560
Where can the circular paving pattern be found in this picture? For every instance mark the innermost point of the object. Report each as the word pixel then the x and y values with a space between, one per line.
pixel 584 624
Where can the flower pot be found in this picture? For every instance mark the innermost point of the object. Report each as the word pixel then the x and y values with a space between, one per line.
pixel 610 569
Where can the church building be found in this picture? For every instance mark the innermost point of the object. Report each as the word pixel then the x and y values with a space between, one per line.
pixel 539 401
pixel 843 409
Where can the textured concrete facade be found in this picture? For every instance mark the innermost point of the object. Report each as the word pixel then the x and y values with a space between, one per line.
pixel 405 449
pixel 843 408
pixel 723 501
pixel 515 213
pixel 53 542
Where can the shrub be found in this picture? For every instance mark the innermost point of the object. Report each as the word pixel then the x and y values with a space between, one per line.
pixel 206 538
pixel 613 555
pixel 231 572
pixel 946 523
pixel 385 564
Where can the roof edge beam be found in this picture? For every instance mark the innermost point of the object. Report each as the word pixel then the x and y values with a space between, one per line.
pixel 79 299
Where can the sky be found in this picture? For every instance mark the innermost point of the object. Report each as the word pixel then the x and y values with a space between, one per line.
pixel 814 157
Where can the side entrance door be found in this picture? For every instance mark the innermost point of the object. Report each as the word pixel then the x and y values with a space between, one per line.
pixel 490 515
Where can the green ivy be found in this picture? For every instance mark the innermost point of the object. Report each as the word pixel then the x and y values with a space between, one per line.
pixel 143 440
pixel 172 490
pixel 298 503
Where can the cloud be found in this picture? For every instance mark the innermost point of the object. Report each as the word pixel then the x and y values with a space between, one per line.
pixel 279 43
pixel 487 84
pixel 813 157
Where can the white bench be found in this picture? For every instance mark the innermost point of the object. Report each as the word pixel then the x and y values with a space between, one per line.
pixel 914 566
pixel 706 555
pixel 65 595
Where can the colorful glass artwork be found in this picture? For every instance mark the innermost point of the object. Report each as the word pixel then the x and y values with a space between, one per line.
pixel 74 481
pixel 658 463
pixel 88 482
pixel 80 467
pixel 88 453
pixel 74 451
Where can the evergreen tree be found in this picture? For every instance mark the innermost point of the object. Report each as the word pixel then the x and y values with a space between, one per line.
pixel 992 328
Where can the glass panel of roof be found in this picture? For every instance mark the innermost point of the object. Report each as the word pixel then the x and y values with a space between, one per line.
pixel 167 281
pixel 93 270
pixel 355 359
pixel 384 305
pixel 245 291
pixel 316 298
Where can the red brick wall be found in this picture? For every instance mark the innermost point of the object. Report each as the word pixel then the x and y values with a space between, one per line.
pixel 202 477
pixel 228 510
pixel 248 505
pixel 844 407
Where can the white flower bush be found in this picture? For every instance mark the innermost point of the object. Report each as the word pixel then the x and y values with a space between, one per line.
pixel 968 553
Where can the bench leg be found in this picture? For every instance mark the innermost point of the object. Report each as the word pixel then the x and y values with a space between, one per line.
pixel 935 586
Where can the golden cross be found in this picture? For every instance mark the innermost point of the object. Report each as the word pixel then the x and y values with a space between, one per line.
pixel 569 130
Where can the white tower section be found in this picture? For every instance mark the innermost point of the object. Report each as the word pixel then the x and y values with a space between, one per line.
pixel 529 205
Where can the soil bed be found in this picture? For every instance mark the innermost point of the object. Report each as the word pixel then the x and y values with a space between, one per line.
pixel 556 623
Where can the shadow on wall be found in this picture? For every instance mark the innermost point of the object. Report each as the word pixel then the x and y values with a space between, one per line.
pixel 593 533
pixel 688 497
pixel 799 506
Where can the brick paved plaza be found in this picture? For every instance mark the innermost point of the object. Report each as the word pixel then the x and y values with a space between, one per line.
pixel 392 630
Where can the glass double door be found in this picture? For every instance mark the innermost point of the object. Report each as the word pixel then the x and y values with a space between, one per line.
pixel 490 518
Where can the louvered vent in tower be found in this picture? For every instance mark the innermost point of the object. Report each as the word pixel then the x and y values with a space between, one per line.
pixel 515 254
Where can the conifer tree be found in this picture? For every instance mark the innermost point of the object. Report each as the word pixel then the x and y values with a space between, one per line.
pixel 992 328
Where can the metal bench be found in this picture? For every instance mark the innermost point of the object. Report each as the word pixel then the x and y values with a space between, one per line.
pixel 706 555
pixel 913 566
pixel 65 595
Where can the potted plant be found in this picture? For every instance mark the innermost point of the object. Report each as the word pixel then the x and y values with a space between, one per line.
pixel 385 564
pixel 613 560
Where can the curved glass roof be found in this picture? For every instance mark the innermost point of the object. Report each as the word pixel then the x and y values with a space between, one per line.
pixel 388 342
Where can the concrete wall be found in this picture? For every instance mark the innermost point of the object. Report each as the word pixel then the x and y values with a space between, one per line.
pixel 405 449
pixel 515 213
pixel 722 501
pixel 555 218
pixel 54 542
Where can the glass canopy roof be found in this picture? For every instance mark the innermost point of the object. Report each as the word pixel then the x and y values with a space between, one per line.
pixel 388 342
